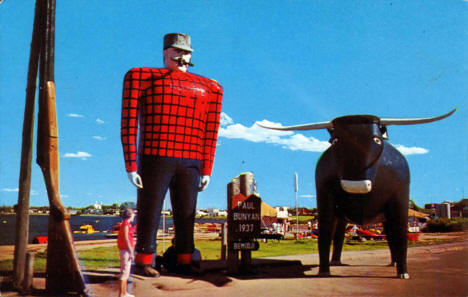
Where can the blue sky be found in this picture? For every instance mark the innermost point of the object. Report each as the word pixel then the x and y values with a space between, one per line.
pixel 288 62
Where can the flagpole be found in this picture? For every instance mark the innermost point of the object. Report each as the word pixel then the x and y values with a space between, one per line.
pixel 296 189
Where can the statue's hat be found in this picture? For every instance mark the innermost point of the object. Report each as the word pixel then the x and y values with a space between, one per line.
pixel 178 40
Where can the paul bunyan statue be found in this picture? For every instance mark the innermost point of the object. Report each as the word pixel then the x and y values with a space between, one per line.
pixel 169 128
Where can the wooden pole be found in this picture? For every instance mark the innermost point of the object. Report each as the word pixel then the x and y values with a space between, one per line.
pixel 22 215
pixel 28 273
pixel 232 255
pixel 224 241
pixel 63 267
pixel 246 182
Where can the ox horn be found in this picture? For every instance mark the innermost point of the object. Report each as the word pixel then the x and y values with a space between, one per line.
pixel 383 121
pixel 313 126
pixel 411 121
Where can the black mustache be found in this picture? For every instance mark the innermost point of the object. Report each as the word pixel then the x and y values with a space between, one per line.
pixel 182 62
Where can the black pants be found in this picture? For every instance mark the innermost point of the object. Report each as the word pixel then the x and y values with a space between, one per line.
pixel 182 177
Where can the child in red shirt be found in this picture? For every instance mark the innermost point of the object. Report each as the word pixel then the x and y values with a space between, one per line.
pixel 125 243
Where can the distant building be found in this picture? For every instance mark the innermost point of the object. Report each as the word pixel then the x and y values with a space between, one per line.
pixel 216 212
pixel 449 209
pixel 442 210
pixel 460 209
pixel 73 211
pixel 98 206
pixel 283 212
pixel 201 213
pixel 222 213
pixel 302 211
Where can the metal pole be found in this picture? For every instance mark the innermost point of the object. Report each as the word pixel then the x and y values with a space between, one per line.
pixel 297 219
pixel 296 189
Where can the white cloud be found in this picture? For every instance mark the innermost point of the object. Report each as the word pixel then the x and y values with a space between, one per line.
pixel 99 121
pixel 10 190
pixel 225 119
pixel 287 139
pixel 79 155
pixel 16 190
pixel 307 196
pixel 411 150
pixel 299 142
pixel 100 138
pixel 75 115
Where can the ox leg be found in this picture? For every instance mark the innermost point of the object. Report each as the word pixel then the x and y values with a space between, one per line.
pixel 391 243
pixel 324 242
pixel 338 240
pixel 398 238
pixel 326 226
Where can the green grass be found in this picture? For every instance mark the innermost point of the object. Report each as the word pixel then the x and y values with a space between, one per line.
pixel 39 263
pixel 102 257
pixel 99 257
pixel 7 265
pixel 301 219
pixel 292 247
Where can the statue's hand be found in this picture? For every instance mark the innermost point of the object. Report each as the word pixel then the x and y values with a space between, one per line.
pixel 204 181
pixel 135 179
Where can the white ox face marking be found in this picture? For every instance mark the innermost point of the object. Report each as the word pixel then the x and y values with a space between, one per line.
pixel 356 186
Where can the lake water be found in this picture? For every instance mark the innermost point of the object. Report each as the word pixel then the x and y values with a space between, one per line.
pixel 38 226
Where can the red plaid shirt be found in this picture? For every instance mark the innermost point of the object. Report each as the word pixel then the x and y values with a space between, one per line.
pixel 178 114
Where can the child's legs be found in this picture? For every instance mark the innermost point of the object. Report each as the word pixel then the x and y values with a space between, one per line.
pixel 125 265
pixel 122 287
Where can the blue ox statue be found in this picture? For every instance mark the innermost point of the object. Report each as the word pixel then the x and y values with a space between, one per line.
pixel 363 179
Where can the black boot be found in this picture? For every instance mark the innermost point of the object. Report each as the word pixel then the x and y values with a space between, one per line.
pixel 146 270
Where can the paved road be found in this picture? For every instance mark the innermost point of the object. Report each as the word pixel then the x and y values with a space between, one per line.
pixel 440 270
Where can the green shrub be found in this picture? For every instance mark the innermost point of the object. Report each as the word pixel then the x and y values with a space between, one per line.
pixel 447 225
